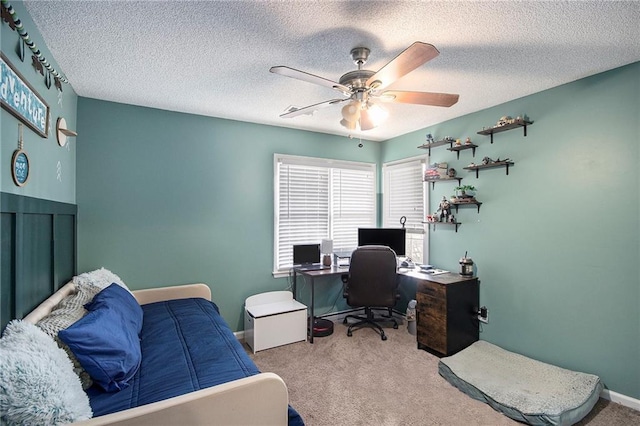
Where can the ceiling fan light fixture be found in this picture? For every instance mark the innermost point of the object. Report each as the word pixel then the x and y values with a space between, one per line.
pixel 351 111
pixel 350 125
pixel 377 114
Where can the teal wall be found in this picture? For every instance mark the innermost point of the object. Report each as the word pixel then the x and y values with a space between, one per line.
pixel 46 179
pixel 167 198
pixel 52 173
pixel 557 242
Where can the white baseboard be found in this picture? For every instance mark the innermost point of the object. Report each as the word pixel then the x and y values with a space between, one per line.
pixel 621 399
pixel 239 335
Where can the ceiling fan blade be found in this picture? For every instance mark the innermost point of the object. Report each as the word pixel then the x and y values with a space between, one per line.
pixel 420 98
pixel 310 78
pixel 410 59
pixel 294 112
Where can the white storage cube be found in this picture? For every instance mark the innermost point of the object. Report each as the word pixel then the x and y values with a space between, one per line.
pixel 274 319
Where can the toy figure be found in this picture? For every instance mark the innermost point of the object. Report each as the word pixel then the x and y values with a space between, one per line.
pixel 430 138
pixel 445 209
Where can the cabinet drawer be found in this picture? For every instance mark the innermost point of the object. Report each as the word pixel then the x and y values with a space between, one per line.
pixel 432 335
pixel 432 289
pixel 431 305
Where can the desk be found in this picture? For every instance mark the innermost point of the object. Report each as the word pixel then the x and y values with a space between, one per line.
pixel 447 303
pixel 333 271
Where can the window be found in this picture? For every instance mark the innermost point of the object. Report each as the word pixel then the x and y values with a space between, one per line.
pixel 404 194
pixel 316 198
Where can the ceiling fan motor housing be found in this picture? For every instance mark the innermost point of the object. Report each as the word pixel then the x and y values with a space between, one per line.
pixel 360 55
pixel 356 79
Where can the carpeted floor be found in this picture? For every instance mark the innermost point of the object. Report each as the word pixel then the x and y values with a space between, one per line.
pixel 362 380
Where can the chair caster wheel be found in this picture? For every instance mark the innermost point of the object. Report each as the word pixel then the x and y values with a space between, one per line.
pixel 384 337
pixel 395 326
pixel 344 321
pixel 349 333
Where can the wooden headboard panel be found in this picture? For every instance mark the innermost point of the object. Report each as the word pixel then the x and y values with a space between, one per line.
pixel 39 252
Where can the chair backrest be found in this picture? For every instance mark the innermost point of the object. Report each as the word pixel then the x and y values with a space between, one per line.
pixel 372 281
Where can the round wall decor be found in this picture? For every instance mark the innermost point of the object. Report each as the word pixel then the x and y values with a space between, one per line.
pixel 20 167
pixel 62 132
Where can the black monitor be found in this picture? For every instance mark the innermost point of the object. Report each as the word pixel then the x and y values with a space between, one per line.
pixel 395 238
pixel 305 254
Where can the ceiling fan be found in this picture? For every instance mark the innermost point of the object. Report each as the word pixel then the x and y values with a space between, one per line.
pixel 364 89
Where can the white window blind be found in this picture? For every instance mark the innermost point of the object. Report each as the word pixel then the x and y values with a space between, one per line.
pixel 318 198
pixel 405 195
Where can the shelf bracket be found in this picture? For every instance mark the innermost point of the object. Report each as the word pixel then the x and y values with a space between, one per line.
pixel 433 182
pixel 473 153
pixel 456 224
pixel 477 204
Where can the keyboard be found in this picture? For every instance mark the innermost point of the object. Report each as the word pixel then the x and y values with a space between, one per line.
pixel 312 267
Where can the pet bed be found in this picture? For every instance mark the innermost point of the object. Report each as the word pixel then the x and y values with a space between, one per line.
pixel 526 390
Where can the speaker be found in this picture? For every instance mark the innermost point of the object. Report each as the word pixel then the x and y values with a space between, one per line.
pixel 326 246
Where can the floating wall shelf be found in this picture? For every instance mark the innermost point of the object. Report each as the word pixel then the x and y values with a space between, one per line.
pixel 490 166
pixel 433 181
pixel 466 203
pixel 428 146
pixel 497 129
pixel 456 224
pixel 459 148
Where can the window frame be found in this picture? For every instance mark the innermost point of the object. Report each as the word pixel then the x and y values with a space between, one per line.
pixel 329 164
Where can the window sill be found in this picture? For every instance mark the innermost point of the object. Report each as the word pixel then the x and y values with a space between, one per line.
pixel 280 274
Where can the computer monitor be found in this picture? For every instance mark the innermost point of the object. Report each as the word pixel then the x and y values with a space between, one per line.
pixel 305 254
pixel 395 238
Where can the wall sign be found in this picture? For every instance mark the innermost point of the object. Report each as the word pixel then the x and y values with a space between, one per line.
pixel 20 99
pixel 20 167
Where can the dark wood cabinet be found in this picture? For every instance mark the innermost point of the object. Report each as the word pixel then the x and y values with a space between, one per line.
pixel 447 319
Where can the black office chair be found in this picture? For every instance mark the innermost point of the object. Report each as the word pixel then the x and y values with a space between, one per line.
pixel 372 283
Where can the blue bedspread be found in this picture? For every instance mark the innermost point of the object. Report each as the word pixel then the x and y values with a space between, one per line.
pixel 169 370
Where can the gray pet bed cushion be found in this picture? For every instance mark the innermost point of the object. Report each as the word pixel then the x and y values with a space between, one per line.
pixel 526 390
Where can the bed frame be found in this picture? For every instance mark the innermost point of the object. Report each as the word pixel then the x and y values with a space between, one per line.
pixel 39 255
pixel 257 400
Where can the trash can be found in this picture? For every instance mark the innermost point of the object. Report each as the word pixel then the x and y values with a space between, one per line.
pixel 411 317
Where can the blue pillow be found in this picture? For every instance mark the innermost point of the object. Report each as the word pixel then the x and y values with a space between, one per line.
pixel 106 340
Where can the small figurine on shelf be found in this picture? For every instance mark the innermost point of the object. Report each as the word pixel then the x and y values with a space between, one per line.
pixel 451 172
pixel 504 121
pixel 487 160
pixel 430 138
pixel 458 142
pixel 468 141
pixel 445 209
pixel 452 218
pixel 498 160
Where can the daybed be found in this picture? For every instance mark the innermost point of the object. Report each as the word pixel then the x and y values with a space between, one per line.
pixel 192 368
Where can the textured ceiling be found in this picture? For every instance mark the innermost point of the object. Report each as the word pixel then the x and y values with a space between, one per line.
pixel 213 57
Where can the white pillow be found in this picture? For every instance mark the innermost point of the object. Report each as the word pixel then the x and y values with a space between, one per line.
pixel 67 312
pixel 37 382
pixel 98 280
